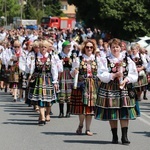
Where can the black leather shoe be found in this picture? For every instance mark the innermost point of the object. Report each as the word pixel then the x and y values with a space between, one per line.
pixel 125 141
pixel 115 136
pixel 145 98
pixel 124 138
pixel 61 115
pixel 14 100
pixel 68 115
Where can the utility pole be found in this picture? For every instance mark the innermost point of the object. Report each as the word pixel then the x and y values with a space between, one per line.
pixel 5 14
pixel 21 9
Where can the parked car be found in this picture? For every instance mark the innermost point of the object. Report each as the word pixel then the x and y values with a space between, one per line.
pixel 144 42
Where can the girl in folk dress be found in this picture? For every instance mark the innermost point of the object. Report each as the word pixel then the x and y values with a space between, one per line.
pixel 43 82
pixel 65 80
pixel 14 78
pixel 115 101
pixel 141 65
pixel 2 66
pixel 83 98
pixel 26 64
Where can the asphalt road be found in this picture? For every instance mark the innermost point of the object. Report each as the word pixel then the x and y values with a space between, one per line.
pixel 19 130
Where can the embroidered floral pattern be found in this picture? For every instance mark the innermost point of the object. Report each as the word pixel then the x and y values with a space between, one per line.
pixel 83 67
pixel 114 67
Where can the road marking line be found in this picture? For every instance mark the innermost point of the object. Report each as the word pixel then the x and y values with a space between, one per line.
pixel 143 120
pixel 145 115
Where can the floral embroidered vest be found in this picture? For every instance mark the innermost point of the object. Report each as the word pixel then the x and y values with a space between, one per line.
pixel 138 61
pixel 43 64
pixel 114 67
pixel 67 62
pixel 83 69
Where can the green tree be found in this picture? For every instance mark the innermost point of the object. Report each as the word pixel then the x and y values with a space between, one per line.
pixel 32 12
pixel 53 8
pixel 125 19
pixel 35 9
pixel 9 9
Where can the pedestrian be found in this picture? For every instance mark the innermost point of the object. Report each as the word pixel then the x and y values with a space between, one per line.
pixel 147 58
pixel 14 77
pixel 65 80
pixel 83 96
pixel 115 100
pixel 43 82
pixel 141 65
pixel 25 66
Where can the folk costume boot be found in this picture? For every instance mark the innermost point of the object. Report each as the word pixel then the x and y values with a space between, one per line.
pixel 61 109
pixel 144 95
pixel 124 138
pixel 68 111
pixel 115 136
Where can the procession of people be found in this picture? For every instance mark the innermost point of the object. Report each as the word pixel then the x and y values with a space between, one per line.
pixel 99 78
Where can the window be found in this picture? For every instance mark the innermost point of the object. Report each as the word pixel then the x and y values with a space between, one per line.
pixel 45 20
pixel 63 7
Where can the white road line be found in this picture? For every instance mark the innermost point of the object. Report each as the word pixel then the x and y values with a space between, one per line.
pixel 145 115
pixel 143 120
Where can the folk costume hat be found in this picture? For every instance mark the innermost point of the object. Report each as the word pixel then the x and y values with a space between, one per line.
pixel 66 43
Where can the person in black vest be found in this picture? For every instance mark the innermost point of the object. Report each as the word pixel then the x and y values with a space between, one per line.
pixel 65 79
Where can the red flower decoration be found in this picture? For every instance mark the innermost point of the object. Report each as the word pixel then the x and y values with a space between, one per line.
pixel 66 59
pixel 17 54
pixel 117 64
pixel 43 60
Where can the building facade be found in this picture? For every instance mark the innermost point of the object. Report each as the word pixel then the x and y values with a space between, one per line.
pixel 69 10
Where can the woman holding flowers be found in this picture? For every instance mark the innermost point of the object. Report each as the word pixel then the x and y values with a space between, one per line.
pixel 116 99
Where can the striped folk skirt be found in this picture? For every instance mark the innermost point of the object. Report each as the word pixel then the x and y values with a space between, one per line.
pixel 83 98
pixel 41 88
pixel 4 75
pixel 115 104
pixel 141 84
pixel 65 86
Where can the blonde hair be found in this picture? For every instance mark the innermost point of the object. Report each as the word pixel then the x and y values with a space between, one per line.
pixel 45 43
pixel 17 43
pixel 36 44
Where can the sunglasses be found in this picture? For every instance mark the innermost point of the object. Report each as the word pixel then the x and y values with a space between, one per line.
pixel 16 46
pixel 89 47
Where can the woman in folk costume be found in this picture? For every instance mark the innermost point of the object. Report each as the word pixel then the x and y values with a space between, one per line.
pixel 43 82
pixel 36 50
pixel 2 66
pixel 65 80
pixel 8 53
pixel 26 66
pixel 141 65
pixel 83 97
pixel 14 69
pixel 147 58
pixel 115 101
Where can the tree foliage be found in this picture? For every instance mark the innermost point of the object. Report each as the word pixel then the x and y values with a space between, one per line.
pixel 125 19
pixel 30 9
pixel 9 9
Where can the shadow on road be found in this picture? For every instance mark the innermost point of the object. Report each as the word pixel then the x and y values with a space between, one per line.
pixel 87 142
pixel 65 133
pixel 145 133
pixel 17 109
